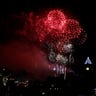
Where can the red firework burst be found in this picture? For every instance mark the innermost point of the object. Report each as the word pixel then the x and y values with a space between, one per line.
pixel 55 28
pixel 53 25
pixel 73 29
pixel 56 20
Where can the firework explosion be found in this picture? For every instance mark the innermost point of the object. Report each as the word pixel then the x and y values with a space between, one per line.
pixel 55 30
pixel 58 30
pixel 55 20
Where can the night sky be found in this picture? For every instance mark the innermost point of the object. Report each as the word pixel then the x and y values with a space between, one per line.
pixel 84 12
